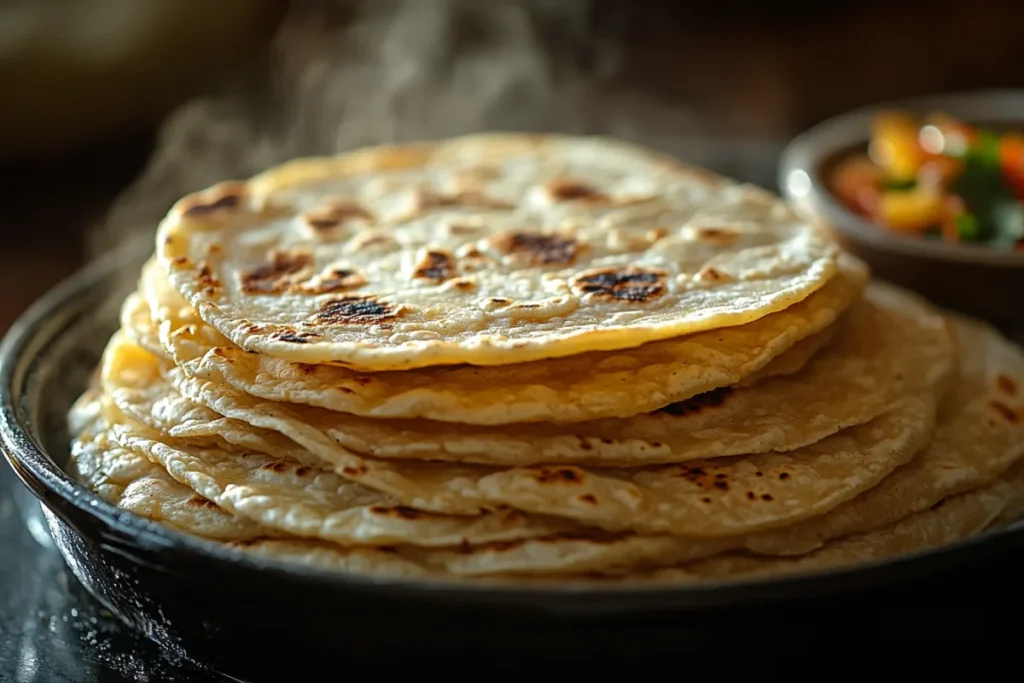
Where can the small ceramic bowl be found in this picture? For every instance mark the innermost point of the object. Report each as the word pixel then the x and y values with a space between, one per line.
pixel 976 280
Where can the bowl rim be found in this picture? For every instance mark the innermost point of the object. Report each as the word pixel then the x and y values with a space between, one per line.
pixel 799 179
pixel 37 328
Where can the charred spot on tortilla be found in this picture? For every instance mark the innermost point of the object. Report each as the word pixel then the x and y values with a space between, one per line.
pixel 221 199
pixel 1006 384
pixel 705 477
pixel 397 512
pixel 569 190
pixel 1006 412
pixel 549 475
pixel 721 237
pixel 630 283
pixel 325 218
pixel 712 274
pixel 359 471
pixel 277 275
pixel 207 280
pixel 538 249
pixel 356 310
pixel 293 336
pixel 332 279
pixel 436 265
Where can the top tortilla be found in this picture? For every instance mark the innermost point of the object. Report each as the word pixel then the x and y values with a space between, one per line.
pixel 486 250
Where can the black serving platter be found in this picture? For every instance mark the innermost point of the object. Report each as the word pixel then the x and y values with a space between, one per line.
pixel 253 618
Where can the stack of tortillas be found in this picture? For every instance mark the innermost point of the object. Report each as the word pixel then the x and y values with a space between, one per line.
pixel 540 358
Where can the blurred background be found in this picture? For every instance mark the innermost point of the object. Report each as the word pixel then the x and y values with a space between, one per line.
pixel 114 108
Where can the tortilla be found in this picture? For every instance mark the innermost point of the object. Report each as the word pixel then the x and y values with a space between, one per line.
pixel 854 381
pixel 796 357
pixel 979 436
pixel 134 484
pixel 988 377
pixel 973 446
pixel 585 387
pixel 488 250
pixel 680 499
pixel 138 323
pixel 299 497
pixel 954 519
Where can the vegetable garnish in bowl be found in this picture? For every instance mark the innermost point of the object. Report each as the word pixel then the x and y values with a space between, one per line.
pixel 939 178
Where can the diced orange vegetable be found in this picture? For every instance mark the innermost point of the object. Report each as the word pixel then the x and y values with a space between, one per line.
pixel 1011 159
pixel 938 172
pixel 895 146
pixel 911 211
pixel 857 182
pixel 950 232
pixel 953 205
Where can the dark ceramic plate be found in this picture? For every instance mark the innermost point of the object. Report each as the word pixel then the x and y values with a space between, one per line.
pixel 976 280
pixel 187 593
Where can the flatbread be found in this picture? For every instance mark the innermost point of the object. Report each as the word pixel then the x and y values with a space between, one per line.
pixel 954 519
pixel 722 496
pixel 980 434
pixel 130 480
pixel 861 376
pixel 488 250
pixel 137 322
pixel 143 489
pixel 991 375
pixel 796 357
pixel 134 484
pixel 585 387
pixel 669 499
pixel 975 443
pixel 305 499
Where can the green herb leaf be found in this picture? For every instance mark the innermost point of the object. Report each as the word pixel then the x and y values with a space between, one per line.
pixel 986 148
pixel 967 227
pixel 982 186
pixel 897 185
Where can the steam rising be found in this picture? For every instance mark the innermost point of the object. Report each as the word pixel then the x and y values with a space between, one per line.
pixel 397 70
